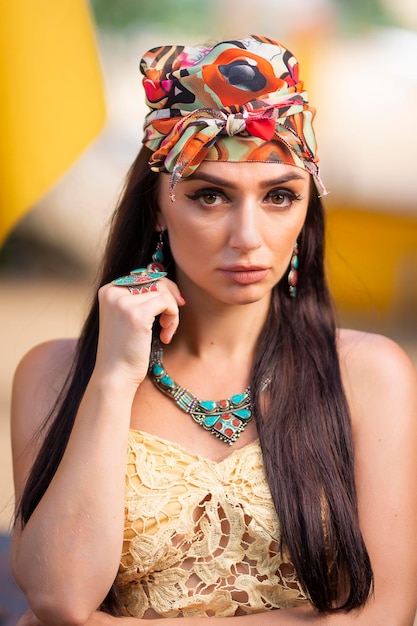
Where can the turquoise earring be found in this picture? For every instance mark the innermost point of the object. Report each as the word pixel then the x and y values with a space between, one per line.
pixel 293 273
pixel 144 279
pixel 156 264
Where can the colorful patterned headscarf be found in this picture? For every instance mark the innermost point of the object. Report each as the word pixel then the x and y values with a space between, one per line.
pixel 236 101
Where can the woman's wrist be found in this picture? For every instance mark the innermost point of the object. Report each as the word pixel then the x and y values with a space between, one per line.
pixel 114 382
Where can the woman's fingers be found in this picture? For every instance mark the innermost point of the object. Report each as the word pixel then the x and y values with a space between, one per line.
pixel 141 309
pixel 127 316
pixel 168 328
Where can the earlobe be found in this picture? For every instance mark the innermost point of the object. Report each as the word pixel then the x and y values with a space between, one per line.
pixel 160 226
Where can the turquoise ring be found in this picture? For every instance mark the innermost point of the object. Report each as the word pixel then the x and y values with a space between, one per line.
pixel 139 277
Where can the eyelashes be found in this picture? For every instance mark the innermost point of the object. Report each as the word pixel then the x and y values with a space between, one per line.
pixel 212 197
pixel 203 196
pixel 278 196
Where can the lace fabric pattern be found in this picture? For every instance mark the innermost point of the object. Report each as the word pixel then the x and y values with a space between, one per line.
pixel 200 536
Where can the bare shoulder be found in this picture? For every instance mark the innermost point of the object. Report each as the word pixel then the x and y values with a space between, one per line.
pixel 359 351
pixel 44 369
pixel 377 374
pixel 38 380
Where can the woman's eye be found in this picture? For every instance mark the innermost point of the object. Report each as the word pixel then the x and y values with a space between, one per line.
pixel 207 198
pixel 210 198
pixel 282 198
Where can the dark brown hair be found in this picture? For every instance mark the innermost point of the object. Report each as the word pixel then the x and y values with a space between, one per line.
pixel 305 431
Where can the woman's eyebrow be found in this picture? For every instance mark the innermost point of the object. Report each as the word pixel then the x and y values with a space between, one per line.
pixel 225 182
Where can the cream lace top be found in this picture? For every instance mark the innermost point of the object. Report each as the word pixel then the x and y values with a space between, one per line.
pixel 200 536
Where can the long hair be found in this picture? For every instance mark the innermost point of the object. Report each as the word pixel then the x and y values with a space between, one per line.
pixel 304 427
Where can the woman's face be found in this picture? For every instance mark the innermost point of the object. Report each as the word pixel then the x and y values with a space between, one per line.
pixel 232 227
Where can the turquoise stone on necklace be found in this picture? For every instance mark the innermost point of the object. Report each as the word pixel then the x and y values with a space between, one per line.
pixel 226 419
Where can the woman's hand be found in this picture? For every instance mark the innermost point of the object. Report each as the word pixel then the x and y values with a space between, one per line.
pixel 126 322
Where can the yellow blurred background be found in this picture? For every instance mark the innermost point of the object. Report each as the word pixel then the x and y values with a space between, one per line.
pixel 63 64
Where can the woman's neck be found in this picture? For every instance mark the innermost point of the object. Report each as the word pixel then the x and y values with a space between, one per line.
pixel 212 329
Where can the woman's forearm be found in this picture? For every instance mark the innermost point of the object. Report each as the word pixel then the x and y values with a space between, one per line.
pixel 67 555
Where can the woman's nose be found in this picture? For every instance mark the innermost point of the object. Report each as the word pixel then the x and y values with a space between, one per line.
pixel 245 227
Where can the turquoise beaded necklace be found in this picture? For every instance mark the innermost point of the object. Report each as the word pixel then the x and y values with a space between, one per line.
pixel 226 419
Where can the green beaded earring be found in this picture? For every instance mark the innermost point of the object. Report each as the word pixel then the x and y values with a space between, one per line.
pixel 293 273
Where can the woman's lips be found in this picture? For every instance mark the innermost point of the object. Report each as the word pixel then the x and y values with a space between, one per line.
pixel 245 275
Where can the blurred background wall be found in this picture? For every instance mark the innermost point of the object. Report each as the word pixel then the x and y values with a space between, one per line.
pixel 358 59
pixel 359 62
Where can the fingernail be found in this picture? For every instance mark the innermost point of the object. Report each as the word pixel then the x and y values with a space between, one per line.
pixel 182 297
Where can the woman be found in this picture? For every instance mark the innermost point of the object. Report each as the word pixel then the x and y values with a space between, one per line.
pixel 290 500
